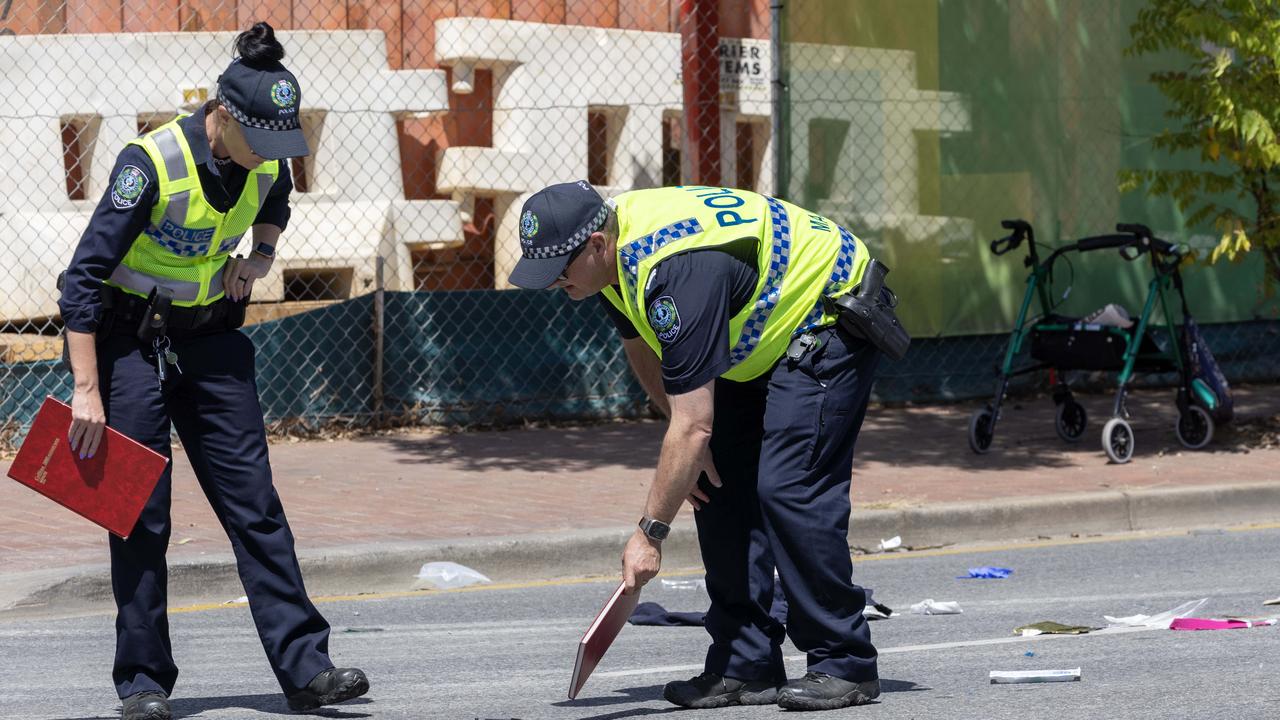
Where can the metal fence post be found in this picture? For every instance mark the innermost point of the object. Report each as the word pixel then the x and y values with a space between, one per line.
pixel 700 63
pixel 778 99
pixel 378 319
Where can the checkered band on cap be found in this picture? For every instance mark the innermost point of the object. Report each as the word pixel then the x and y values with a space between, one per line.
pixel 289 123
pixel 779 258
pixel 839 276
pixel 637 250
pixel 568 246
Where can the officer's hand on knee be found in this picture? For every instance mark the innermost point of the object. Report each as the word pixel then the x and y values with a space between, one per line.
pixel 641 561
pixel 88 422
pixel 698 497
pixel 709 472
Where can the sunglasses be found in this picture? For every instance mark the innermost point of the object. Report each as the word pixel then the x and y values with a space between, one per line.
pixel 563 276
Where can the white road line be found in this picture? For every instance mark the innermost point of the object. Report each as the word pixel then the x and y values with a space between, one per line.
pixel 1001 641
pixel 667 669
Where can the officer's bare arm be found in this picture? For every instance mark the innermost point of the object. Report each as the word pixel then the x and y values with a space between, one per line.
pixel 88 420
pixel 266 233
pixel 686 452
pixel 648 369
pixel 83 354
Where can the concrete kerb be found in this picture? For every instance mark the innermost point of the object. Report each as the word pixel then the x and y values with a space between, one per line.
pixel 387 567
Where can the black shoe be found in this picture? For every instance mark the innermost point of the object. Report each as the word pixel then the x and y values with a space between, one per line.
pixel 710 690
pixel 146 706
pixel 820 691
pixel 334 685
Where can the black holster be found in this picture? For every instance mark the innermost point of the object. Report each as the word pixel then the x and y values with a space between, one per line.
pixel 155 315
pixel 867 312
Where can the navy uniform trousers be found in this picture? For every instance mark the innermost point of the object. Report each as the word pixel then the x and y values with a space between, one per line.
pixel 214 405
pixel 783 446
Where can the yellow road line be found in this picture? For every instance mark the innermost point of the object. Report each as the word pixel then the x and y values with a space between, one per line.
pixel 687 572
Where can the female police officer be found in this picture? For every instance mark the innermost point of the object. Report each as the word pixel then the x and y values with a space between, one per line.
pixel 151 305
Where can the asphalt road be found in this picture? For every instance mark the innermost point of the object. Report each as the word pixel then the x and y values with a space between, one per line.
pixel 508 652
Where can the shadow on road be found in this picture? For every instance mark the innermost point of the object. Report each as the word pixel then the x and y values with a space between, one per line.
pixel 266 703
pixel 558 449
pixel 623 695
pixel 637 712
pixel 917 436
pixel 894 686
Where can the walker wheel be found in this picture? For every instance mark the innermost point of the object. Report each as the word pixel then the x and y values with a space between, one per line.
pixel 1117 440
pixel 981 431
pixel 1071 421
pixel 1194 428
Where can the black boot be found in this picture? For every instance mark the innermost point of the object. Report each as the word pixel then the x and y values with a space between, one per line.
pixel 334 685
pixel 146 706
pixel 820 691
pixel 710 690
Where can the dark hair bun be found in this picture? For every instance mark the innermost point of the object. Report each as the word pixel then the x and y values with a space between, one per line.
pixel 258 44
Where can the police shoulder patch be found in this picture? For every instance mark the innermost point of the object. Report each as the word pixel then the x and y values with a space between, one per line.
pixel 128 187
pixel 664 318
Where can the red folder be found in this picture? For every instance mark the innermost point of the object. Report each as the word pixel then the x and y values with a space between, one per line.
pixel 600 636
pixel 109 489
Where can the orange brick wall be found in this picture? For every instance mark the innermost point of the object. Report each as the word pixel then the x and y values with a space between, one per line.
pixel 410 31
pixel 408 25
pixel 32 17
pixel 405 21
pixel 148 15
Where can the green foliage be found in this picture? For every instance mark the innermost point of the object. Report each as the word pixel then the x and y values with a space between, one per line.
pixel 1226 101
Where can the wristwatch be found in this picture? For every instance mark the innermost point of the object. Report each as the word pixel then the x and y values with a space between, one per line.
pixel 265 250
pixel 655 530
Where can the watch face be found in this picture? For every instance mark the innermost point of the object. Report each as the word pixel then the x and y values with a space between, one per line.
pixel 657 529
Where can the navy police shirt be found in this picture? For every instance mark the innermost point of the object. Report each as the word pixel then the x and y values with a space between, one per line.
pixel 690 299
pixel 125 211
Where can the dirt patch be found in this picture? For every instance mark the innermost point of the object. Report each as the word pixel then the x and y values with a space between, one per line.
pixel 1255 433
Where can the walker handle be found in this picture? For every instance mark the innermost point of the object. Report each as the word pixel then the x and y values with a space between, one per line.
pixel 1134 229
pixel 1020 228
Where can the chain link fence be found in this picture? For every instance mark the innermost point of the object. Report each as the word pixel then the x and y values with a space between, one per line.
pixel 430 122
pixel 917 124
pixel 921 124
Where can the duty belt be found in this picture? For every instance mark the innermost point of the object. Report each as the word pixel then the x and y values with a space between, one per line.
pixel 124 311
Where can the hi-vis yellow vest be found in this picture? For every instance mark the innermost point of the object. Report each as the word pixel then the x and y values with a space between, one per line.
pixel 187 243
pixel 802 257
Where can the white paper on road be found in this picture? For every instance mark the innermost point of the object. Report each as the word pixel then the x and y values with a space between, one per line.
pixel 448 575
pixel 1160 620
pixel 871 612
pixel 892 543
pixel 934 607
pixel 1000 677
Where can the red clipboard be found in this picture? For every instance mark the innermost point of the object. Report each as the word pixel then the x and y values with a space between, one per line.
pixel 600 636
pixel 109 489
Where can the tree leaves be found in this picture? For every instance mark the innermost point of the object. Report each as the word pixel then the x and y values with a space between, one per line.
pixel 1225 101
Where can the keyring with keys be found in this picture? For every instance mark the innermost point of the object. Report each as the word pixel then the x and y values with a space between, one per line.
pixel 164 356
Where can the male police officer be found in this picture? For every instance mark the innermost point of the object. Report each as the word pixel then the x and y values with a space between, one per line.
pixel 719 297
